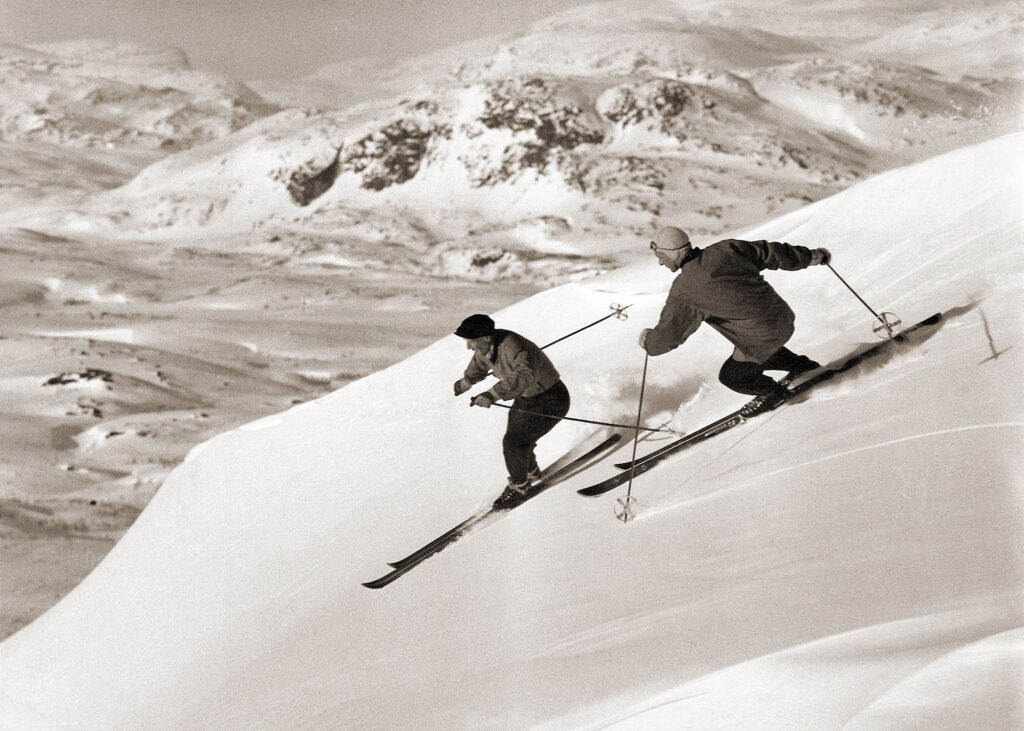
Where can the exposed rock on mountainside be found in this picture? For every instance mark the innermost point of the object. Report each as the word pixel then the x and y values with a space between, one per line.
pixel 612 118
pixel 543 120
pixel 533 104
pixel 307 184
pixel 393 154
pixel 660 98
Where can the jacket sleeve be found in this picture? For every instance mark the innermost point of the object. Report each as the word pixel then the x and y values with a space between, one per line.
pixel 477 369
pixel 524 373
pixel 774 254
pixel 679 320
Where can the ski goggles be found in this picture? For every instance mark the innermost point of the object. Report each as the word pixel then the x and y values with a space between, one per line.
pixel 655 247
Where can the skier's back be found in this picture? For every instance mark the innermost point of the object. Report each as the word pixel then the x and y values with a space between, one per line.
pixel 722 286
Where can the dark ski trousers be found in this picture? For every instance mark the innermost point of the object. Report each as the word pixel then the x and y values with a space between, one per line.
pixel 749 378
pixel 524 429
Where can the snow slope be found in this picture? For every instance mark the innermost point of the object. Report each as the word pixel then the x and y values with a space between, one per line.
pixel 850 561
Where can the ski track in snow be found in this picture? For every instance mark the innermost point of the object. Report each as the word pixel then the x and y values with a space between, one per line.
pixel 909 438
pixel 645 514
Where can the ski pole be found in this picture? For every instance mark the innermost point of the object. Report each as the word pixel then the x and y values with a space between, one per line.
pixel 626 512
pixel 583 421
pixel 884 321
pixel 618 313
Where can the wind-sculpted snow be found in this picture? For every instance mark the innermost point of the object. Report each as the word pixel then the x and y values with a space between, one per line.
pixel 850 560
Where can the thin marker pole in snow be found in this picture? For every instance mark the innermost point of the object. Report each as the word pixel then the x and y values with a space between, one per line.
pixel 884 321
pixel 626 512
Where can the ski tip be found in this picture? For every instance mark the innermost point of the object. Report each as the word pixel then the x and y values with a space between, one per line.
pixel 382 581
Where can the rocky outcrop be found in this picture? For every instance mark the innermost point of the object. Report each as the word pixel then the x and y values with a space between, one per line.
pixel 307 184
pixel 393 154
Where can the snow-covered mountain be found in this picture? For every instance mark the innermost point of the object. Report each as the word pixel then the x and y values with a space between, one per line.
pixel 88 94
pixel 543 156
pixel 620 38
pixel 848 561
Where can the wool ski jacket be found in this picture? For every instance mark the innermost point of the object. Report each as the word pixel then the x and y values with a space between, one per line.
pixel 523 368
pixel 722 286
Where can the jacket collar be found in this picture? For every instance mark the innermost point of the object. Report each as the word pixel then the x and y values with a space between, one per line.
pixel 694 253
pixel 496 339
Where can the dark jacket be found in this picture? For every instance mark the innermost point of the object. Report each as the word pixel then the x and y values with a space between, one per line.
pixel 523 368
pixel 722 286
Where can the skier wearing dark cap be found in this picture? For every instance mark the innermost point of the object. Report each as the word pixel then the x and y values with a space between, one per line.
pixel 526 375
pixel 722 286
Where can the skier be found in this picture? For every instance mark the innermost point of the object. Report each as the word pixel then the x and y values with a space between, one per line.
pixel 527 376
pixel 722 286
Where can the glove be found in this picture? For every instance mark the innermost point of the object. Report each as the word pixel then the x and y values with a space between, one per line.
pixel 820 256
pixel 461 386
pixel 643 337
pixel 484 399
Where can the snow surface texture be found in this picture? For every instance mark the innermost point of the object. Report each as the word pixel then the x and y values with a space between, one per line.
pixel 850 561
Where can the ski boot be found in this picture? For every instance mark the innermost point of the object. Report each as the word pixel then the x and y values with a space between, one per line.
pixel 514 493
pixel 765 402
pixel 803 365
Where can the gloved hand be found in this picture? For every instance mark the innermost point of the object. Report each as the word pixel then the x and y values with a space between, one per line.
pixel 643 336
pixel 461 386
pixel 820 256
pixel 484 399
